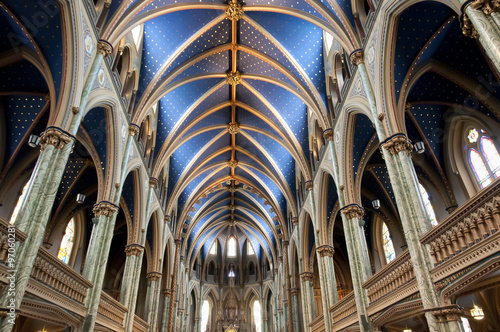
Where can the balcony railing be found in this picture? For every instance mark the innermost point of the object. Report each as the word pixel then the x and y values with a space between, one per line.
pixel 343 313
pixel 317 324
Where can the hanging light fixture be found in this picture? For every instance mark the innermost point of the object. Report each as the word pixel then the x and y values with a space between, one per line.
pixel 80 198
pixel 376 204
pixel 477 312
pixel 419 147
pixel 33 140
pixel 407 329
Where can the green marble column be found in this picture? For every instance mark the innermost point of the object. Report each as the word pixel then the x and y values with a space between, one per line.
pixel 173 304
pixel 152 300
pixel 481 20
pixel 396 150
pixel 295 309
pixel 307 291
pixel 168 293
pixel 289 313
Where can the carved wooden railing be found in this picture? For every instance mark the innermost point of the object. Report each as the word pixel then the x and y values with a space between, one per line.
pixel 111 308
pixel 343 308
pixel 317 324
pixel 467 227
pixel 140 325
pixel 394 275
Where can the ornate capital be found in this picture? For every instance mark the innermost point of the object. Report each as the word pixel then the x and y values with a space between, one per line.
pixel 232 163
pixel 468 28
pixel 308 185
pixel 133 249
pixel 233 78
pixel 352 211
pixel 104 48
pixel 328 134
pixel 294 291
pixel 447 313
pixel 233 128
pixel 307 276
pixel 486 6
pixel 234 11
pixel 133 129
pixel 168 292
pixel 153 276
pixel 325 250
pixel 295 220
pixel 357 57
pixel 56 137
pixel 153 182
pixel 104 208
pixel 168 218
pixel 397 143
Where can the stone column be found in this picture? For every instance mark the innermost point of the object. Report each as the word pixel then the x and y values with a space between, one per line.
pixel 308 306
pixel 174 285
pixel 396 152
pixel 481 20
pixel 328 290
pixel 152 299
pixel 295 309
pixel 168 293
pixel 288 287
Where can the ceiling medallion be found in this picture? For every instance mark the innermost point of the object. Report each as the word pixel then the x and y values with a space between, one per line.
pixel 233 78
pixel 232 163
pixel 233 128
pixel 234 11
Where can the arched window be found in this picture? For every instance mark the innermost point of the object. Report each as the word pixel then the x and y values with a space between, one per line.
pixel 428 205
pixel 231 247
pixel 136 35
pixel 250 250
pixel 213 249
pixel 257 316
pixel 466 325
pixel 483 157
pixel 18 204
pixel 205 314
pixel 390 254
pixel 67 242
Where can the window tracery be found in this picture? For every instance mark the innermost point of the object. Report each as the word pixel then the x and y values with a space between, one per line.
pixel 231 247
pixel 483 157
pixel 67 242
pixel 390 254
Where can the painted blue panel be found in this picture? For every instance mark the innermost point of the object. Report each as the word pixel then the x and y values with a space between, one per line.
pixel 331 198
pixel 22 76
pixel 94 123
pixel 72 170
pixel 15 37
pixel 128 194
pixel 159 3
pixel 221 117
pixel 363 132
pixel 214 64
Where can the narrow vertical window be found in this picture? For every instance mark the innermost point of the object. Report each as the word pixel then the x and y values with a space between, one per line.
pixel 67 242
pixel 250 250
pixel 479 168
pixel 483 157
pixel 491 155
pixel 390 254
pixel 205 313
pixel 428 205
pixel 257 315
pixel 136 35
pixel 213 249
pixel 231 247
pixel 18 204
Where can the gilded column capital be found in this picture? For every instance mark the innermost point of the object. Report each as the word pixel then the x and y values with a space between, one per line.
pixel 168 218
pixel 486 6
pixel 133 129
pixel 133 249
pixel 233 128
pixel 352 211
pixel 328 134
pixel 307 276
pixel 232 164
pixel 234 11
pixel 397 143
pixel 104 48
pixel 153 182
pixel 153 276
pixel 56 137
pixel 233 78
pixel 104 208
pixel 357 57
pixel 325 250
pixel 309 185
pixel 295 220
pixel 467 27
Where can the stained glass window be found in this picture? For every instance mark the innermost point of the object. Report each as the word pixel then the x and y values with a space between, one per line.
pixel 18 204
pixel 231 247
pixel 213 249
pixel 479 168
pixel 67 242
pixel 466 325
pixel 257 315
pixel 205 313
pixel 492 158
pixel 473 136
pixel 390 254
pixel 428 205
pixel 250 250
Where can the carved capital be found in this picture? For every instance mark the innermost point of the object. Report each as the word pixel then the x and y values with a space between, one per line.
pixel 294 291
pixel 357 57
pixel 353 211
pixel 325 250
pixel 397 143
pixel 233 78
pixel 308 185
pixel 153 276
pixel 232 163
pixel 133 129
pixel 133 249
pixel 307 276
pixel 295 220
pixel 328 134
pixel 486 6
pixel 153 182
pixel 56 137
pixel 448 313
pixel 104 48
pixel 168 218
pixel 234 11
pixel 105 209
pixel 468 28
pixel 168 292
pixel 233 128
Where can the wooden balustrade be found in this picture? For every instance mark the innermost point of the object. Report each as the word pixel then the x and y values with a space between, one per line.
pixel 317 324
pixel 394 275
pixel 466 227
pixel 140 325
pixel 344 309
pixel 111 308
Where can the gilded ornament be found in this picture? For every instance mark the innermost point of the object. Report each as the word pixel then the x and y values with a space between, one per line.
pixel 233 128
pixel 397 144
pixel 353 211
pixel 133 129
pixel 357 57
pixel 309 185
pixel 233 78
pixel 133 250
pixel 56 137
pixel 104 208
pixel 234 11
pixel 328 134
pixel 104 48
